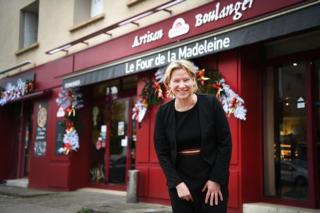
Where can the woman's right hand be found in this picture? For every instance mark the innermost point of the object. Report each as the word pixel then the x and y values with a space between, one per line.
pixel 183 192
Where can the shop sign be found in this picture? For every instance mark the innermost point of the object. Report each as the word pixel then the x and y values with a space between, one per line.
pixel 41 130
pixel 193 50
pixel 234 9
pixel 211 44
pixel 147 38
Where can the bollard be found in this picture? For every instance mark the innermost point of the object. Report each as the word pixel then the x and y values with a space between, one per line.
pixel 132 189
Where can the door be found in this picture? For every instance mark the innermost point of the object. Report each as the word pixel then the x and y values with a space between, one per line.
pixel 113 132
pixel 121 147
pixel 291 133
pixel 24 141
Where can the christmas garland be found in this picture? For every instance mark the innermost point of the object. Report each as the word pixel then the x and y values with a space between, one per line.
pixel 68 102
pixel 211 83
pixel 13 92
pixel 152 94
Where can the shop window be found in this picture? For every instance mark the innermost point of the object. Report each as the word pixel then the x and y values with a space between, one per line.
pixel 284 128
pixel 130 82
pixel 29 25
pixel 86 9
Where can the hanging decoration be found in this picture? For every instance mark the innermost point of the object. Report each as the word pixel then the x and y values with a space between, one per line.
pixel 208 82
pixel 214 83
pixel 152 94
pixel 13 92
pixel 68 101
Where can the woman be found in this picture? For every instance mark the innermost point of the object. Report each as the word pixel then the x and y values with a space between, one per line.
pixel 193 143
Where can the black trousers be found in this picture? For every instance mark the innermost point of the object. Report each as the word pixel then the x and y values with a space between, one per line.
pixel 195 172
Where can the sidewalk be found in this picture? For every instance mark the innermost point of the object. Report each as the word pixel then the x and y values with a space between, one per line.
pixel 87 200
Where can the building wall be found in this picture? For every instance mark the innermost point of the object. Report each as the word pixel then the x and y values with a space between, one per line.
pixel 56 19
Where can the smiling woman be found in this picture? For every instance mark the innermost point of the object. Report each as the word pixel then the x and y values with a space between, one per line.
pixel 185 136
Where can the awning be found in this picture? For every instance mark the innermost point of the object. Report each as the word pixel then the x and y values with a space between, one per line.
pixel 296 20
pixel 13 79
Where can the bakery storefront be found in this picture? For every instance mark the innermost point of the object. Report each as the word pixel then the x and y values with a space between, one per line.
pixel 261 58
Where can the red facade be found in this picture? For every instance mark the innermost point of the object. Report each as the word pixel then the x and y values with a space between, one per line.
pixel 242 67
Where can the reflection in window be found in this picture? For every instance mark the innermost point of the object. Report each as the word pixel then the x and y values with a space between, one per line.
pixel 285 148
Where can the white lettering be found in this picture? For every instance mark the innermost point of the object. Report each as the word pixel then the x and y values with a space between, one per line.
pixel 147 38
pixel 234 9
pixel 129 68
pixel 72 84
pixel 204 47
pixel 144 64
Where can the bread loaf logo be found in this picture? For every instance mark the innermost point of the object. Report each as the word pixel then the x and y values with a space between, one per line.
pixel 179 27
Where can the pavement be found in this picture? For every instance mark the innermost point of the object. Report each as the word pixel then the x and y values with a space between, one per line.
pixel 88 200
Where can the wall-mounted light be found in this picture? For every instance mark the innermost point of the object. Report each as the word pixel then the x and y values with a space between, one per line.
pixel 169 4
pixel 135 18
pixel 63 48
pixel 106 30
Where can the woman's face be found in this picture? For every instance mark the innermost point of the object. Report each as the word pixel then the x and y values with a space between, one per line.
pixel 181 84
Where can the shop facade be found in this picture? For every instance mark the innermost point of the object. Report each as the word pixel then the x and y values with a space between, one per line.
pixel 267 52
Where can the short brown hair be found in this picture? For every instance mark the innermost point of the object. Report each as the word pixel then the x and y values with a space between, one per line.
pixel 186 65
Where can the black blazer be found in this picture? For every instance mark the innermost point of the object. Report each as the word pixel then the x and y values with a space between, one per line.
pixel 215 140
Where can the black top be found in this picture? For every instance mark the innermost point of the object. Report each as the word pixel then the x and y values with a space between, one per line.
pixel 188 133
pixel 215 139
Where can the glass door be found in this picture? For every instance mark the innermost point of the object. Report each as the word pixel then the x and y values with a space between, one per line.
pixel 285 132
pixel 121 155
pixel 291 118
pixel 113 131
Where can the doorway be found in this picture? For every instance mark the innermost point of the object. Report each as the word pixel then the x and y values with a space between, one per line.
pixel 26 138
pixel 291 133
pixel 113 133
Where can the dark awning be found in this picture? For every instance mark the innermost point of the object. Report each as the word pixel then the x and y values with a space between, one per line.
pixel 294 21
pixel 13 79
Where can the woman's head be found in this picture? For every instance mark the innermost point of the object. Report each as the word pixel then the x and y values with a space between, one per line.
pixel 180 78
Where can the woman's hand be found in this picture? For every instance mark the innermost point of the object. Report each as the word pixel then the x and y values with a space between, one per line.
pixel 213 192
pixel 183 192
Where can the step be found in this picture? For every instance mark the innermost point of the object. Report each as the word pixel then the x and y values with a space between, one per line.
pixel 273 208
pixel 23 182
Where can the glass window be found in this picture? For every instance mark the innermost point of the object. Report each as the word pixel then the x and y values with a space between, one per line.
pixel 29 25
pixel 96 7
pixel 86 9
pixel 285 147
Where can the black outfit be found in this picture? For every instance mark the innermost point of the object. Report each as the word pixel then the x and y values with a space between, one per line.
pixel 187 136
pixel 204 126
